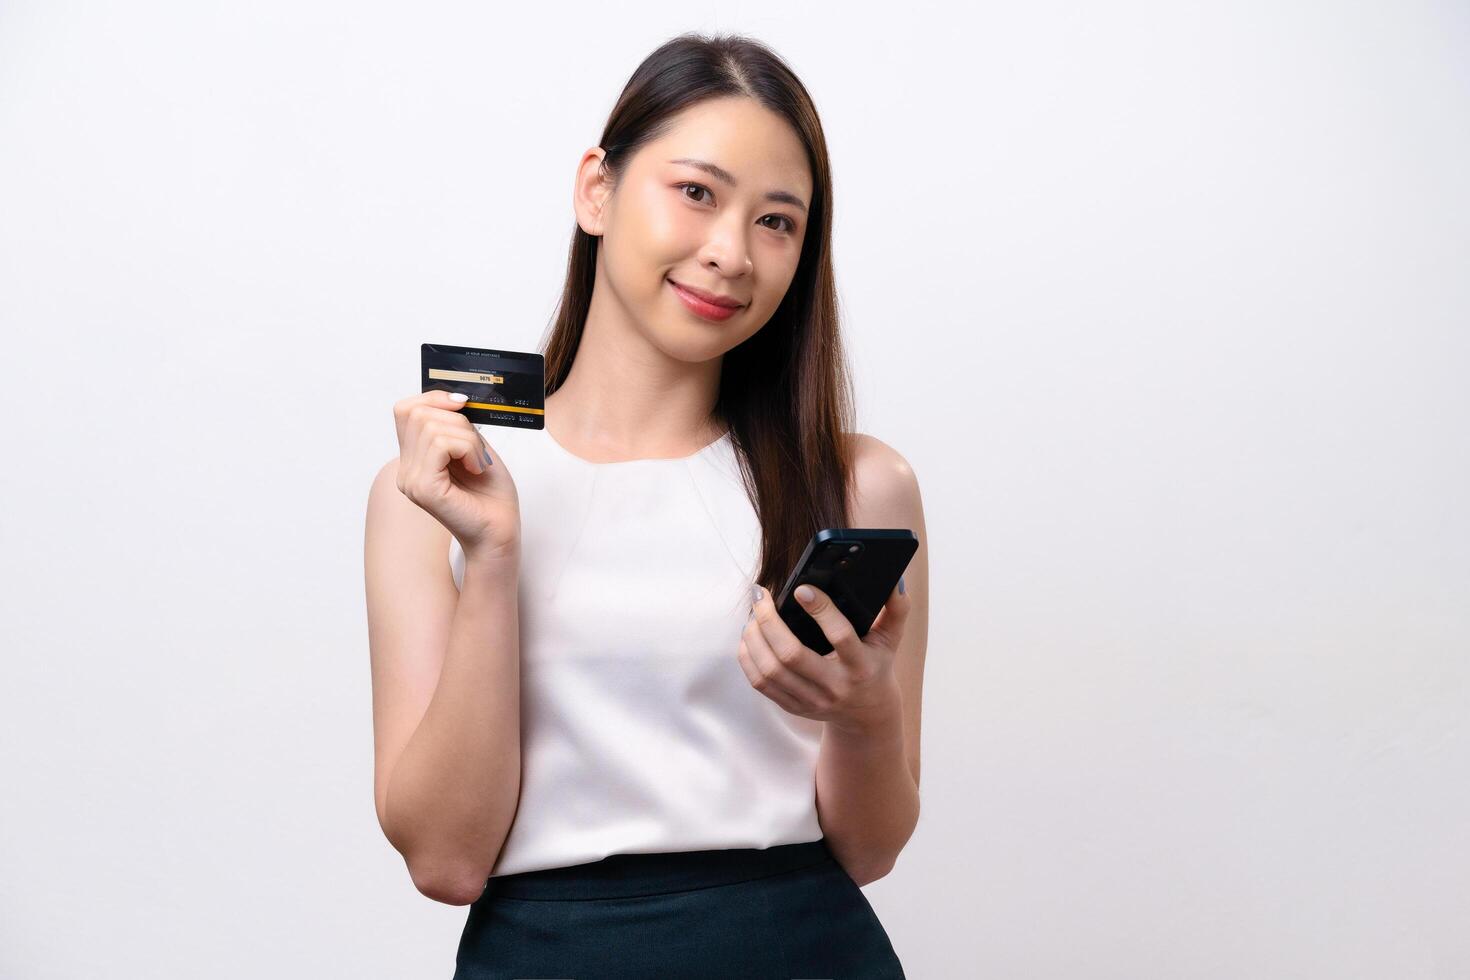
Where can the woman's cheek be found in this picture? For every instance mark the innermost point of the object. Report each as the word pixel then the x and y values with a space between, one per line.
pixel 676 231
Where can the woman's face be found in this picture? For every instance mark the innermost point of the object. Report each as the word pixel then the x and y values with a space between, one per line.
pixel 677 222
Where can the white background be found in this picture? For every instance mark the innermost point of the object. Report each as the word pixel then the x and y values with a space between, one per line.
pixel 1165 303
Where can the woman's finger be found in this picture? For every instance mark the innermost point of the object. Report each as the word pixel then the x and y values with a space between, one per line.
pixel 787 646
pixel 489 456
pixel 446 446
pixel 411 413
pixel 835 626
pixel 772 691
pixel 775 671
pixel 417 419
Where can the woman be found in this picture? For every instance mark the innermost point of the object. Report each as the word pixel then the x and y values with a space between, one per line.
pixel 590 721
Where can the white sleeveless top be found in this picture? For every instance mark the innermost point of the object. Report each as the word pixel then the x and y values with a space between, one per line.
pixel 639 729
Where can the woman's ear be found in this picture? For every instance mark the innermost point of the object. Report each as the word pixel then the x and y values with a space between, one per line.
pixel 591 191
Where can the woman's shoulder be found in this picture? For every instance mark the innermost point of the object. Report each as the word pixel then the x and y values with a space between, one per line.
pixel 876 457
pixel 392 516
pixel 882 479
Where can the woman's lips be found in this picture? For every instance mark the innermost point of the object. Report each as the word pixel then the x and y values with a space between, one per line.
pixel 701 307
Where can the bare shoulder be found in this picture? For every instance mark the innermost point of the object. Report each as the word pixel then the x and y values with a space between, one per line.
pixel 390 512
pixel 405 551
pixel 885 489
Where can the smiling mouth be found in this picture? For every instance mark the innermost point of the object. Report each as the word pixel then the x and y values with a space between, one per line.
pixel 724 302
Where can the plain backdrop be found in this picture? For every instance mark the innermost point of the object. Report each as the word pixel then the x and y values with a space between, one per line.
pixel 1166 304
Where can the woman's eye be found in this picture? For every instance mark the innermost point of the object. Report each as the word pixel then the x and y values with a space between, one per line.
pixel 696 187
pixel 788 225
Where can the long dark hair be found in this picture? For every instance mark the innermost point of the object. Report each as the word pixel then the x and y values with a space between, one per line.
pixel 785 393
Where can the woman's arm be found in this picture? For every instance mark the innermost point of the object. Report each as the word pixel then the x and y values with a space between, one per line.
pixel 868 780
pixel 446 696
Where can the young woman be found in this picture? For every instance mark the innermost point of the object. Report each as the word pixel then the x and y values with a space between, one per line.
pixel 589 720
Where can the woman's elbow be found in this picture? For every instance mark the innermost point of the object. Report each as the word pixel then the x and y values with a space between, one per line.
pixel 448 885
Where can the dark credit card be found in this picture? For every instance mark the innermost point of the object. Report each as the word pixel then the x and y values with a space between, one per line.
pixel 506 387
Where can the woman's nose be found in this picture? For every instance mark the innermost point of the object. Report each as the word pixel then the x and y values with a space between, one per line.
pixel 730 255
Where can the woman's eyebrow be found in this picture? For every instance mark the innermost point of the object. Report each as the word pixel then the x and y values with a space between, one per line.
pixel 720 173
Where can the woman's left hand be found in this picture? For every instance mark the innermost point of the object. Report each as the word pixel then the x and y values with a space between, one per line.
pixel 854 687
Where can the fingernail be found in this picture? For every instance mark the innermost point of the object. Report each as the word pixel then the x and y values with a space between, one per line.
pixel 491 462
pixel 900 585
pixel 804 593
pixel 458 396
pixel 755 593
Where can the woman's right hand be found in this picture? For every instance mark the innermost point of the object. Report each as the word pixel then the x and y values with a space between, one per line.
pixel 442 468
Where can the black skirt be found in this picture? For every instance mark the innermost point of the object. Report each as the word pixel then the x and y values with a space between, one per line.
pixel 750 913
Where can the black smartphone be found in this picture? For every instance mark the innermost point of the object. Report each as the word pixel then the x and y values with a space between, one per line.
pixel 858 567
